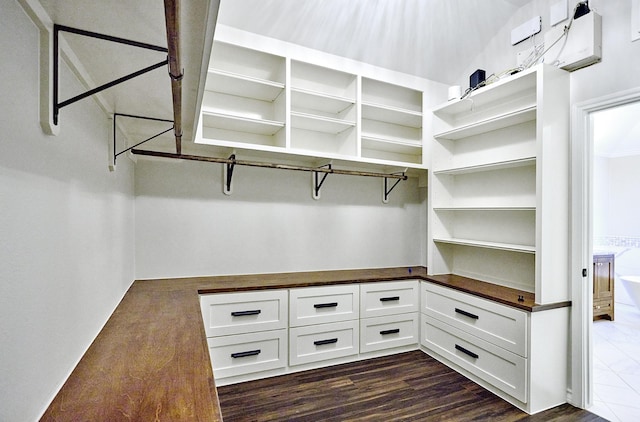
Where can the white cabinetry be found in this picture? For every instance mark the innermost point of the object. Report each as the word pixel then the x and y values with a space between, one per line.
pixel 324 323
pixel 246 332
pixel 244 99
pixel 389 315
pixel 499 184
pixel 521 356
pixel 264 96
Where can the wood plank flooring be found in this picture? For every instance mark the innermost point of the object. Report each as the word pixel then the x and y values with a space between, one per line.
pixel 410 386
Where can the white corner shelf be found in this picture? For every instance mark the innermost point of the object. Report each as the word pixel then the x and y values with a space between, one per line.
pixel 488 245
pixel 500 165
pixel 500 182
pixel 498 122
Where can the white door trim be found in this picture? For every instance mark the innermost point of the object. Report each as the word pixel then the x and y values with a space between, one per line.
pixel 581 394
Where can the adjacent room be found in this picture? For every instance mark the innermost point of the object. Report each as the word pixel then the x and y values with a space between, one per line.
pixel 395 209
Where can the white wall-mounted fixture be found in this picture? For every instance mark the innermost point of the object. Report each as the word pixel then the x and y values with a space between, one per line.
pixel 558 12
pixel 527 29
pixel 581 47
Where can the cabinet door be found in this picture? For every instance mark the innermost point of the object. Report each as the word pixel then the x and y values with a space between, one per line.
pixel 602 277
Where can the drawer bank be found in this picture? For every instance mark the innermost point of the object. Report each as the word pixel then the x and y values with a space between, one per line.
pixel 152 356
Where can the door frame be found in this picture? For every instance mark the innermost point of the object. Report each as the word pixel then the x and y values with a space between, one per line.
pixel 581 230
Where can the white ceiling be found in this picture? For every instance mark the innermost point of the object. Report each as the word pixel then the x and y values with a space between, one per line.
pixel 433 39
pixel 103 61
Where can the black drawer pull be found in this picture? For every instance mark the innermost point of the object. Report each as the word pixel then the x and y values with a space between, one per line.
pixel 245 354
pixel 385 332
pixel 468 314
pixel 245 313
pixel 326 305
pixel 466 352
pixel 327 341
pixel 389 299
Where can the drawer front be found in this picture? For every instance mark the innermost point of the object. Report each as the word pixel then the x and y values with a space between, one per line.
pixel 380 299
pixel 246 312
pixel 321 342
pixel 319 305
pixel 500 368
pixel 248 353
pixel 386 332
pixel 603 306
pixel 498 324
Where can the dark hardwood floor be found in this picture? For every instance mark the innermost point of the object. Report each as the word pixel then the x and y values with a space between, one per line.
pixel 406 387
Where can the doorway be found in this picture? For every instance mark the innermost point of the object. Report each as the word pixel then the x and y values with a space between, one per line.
pixel 582 238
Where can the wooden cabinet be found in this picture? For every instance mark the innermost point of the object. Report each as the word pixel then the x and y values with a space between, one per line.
pixel 263 96
pixel 521 356
pixel 603 286
pixel 497 199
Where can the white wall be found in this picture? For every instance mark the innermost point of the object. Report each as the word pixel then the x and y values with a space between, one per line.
pixel 66 229
pixel 186 226
pixel 618 70
pixel 624 195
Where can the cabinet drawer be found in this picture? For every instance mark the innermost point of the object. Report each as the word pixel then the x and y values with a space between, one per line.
pixel 388 331
pixel 603 306
pixel 319 305
pixel 379 299
pixel 246 312
pixel 500 368
pixel 498 324
pixel 321 342
pixel 247 353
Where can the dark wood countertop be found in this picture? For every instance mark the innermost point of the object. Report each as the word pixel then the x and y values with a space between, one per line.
pixel 151 362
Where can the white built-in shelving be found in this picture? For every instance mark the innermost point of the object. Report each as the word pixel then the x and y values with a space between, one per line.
pixel 498 209
pixel 273 100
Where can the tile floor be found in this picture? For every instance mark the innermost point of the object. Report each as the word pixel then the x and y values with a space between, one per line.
pixel 616 365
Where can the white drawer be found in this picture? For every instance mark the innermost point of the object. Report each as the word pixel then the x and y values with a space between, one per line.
pixel 379 299
pixel 319 305
pixel 247 353
pixel 388 331
pixel 500 368
pixel 245 312
pixel 315 343
pixel 501 325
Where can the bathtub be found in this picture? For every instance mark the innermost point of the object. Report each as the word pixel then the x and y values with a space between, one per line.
pixel 631 284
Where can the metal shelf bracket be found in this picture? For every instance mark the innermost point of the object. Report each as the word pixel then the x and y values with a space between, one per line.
pixel 317 181
pixel 61 28
pixel 386 190
pixel 112 164
pixel 227 174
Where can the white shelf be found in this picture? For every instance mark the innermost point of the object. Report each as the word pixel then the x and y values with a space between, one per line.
pixel 241 124
pixel 319 123
pixel 391 145
pixel 505 89
pixel 501 165
pixel 499 122
pixel 390 114
pixel 313 100
pixel 503 208
pixel 242 85
pixel 488 245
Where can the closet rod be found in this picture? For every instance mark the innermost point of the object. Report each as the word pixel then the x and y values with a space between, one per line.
pixel 266 165
pixel 172 18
